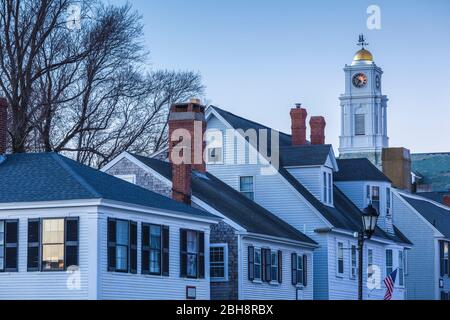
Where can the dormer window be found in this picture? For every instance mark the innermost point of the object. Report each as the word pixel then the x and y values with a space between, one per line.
pixel 373 196
pixel 327 188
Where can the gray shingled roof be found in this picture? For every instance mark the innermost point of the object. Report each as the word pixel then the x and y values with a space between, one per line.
pixel 344 215
pixel 358 170
pixel 434 168
pixel 232 204
pixel 33 177
pixel 434 214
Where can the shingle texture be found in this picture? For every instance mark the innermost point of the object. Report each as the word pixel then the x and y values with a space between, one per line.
pixel 358 170
pixel 36 177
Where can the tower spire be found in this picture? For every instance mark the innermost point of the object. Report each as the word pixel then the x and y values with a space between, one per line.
pixel 362 41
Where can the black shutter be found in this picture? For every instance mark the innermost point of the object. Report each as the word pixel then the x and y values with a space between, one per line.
pixel 251 263
pixel 268 266
pixel 34 235
pixel 183 253
pixel 133 247
pixel 111 244
pixel 72 229
pixel 305 270
pixel 201 255
pixel 145 257
pixel 294 268
pixel 280 266
pixel 441 256
pixel 165 251
pixel 11 241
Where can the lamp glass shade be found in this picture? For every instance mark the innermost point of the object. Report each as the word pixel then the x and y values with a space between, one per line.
pixel 369 219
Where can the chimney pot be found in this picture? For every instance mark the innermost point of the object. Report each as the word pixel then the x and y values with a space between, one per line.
pixel 446 200
pixel 3 124
pixel 317 125
pixel 298 125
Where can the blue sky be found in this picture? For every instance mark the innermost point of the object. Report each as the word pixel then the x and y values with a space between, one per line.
pixel 259 57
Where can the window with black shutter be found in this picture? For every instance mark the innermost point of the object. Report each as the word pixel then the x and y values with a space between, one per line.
pixel 155 249
pixel 267 265
pixel 33 245
pixel 72 242
pixel 165 251
pixel 192 254
pixel 8 245
pixel 251 263
pixel 294 268
pixel 305 270
pixel 111 244
pixel 122 245
pixel 280 266
pixel 133 247
pixel 53 244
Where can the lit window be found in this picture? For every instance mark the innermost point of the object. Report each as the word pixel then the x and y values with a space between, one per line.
pixel 246 187
pixel 53 244
pixel 340 258
pixel 218 262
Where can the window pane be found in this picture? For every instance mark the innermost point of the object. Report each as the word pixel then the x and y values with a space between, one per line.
pixel 122 233
pixel 217 261
pixel 155 261
pixel 325 187
pixel 53 256
pixel 246 184
pixel 274 271
pixel 300 269
pixel 192 265
pixel 155 237
pixel 257 263
pixel 122 258
pixel 192 242
pixel 53 231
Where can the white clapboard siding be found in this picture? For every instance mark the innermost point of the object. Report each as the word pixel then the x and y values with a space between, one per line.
pixel 311 178
pixel 50 284
pixel 116 285
pixel 423 258
pixel 252 290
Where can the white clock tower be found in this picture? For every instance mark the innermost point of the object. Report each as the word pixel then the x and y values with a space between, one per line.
pixel 363 109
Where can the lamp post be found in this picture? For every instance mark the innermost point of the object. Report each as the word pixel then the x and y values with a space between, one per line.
pixel 369 222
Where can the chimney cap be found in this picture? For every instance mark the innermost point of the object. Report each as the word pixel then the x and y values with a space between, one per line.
pixel 195 101
pixel 298 105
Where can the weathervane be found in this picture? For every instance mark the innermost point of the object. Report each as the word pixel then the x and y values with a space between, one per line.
pixel 362 42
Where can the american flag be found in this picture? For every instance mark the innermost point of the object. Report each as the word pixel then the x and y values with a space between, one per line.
pixel 389 282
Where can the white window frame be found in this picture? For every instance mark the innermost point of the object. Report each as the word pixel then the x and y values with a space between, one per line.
pixel 274 253
pixel 340 274
pixel 225 262
pixel 389 268
pixel 330 188
pixel 255 279
pixel 131 178
pixel 253 184
pixel 353 258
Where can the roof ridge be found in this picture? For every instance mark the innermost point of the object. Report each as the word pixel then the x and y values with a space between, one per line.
pixel 420 198
pixel 254 122
pixel 60 160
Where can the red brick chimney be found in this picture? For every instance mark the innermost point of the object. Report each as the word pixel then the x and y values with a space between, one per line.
pixel 298 125
pixel 3 124
pixel 317 125
pixel 446 200
pixel 187 126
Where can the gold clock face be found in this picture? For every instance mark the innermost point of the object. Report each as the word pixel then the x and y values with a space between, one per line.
pixel 359 80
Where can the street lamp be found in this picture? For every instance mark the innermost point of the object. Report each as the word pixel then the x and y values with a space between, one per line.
pixel 369 222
